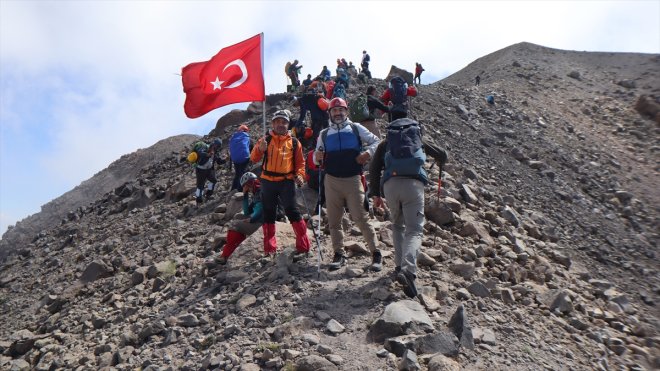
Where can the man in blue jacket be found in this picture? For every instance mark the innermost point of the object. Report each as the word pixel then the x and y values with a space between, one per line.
pixel 344 148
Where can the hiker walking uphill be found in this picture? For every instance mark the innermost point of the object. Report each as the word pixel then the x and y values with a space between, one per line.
pixel 400 160
pixel 309 102
pixel 397 93
pixel 239 153
pixel 343 148
pixel 292 71
pixel 239 229
pixel 372 105
pixel 283 168
pixel 308 81
pixel 418 73
pixel 203 157
pixel 325 73
pixel 365 63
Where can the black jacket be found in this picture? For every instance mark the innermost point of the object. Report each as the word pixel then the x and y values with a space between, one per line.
pixel 372 104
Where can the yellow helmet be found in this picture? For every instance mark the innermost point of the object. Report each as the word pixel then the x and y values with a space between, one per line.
pixel 192 157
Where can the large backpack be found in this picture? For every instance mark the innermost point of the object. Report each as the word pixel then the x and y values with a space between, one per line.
pixel 202 150
pixel 239 147
pixel 398 93
pixel 339 91
pixel 287 68
pixel 404 154
pixel 359 110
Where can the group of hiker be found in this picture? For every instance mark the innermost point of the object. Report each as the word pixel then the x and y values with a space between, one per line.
pixel 341 143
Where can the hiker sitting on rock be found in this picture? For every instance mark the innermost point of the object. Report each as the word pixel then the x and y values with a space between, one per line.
pixel 253 217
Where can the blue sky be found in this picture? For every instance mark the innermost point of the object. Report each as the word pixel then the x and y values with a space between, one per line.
pixel 83 83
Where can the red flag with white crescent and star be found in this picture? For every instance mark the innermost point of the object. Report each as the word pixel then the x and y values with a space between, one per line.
pixel 233 75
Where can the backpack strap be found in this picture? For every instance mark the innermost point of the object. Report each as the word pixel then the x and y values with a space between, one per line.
pixel 294 145
pixel 356 132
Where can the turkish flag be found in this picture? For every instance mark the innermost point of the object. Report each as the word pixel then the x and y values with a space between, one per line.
pixel 233 75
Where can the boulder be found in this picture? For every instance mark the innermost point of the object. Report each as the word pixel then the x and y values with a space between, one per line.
pixel 399 318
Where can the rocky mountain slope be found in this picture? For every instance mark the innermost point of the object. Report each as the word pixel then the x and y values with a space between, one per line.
pixel 119 172
pixel 540 250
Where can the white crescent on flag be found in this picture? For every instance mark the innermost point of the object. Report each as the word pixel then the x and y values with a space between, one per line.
pixel 217 84
pixel 241 65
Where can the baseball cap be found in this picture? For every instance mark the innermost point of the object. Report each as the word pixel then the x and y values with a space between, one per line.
pixel 282 114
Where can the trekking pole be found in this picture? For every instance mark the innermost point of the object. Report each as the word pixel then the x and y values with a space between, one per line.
pixel 318 266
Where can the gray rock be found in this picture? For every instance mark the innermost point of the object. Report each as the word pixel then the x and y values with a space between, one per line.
pixel 290 354
pixel 139 275
pixel 478 289
pixel 440 362
pixel 311 339
pixel 485 336
pixel 628 84
pixel 324 349
pixel 315 363
pixel 334 327
pixel 465 270
pixel 429 302
pixel 150 329
pixel 459 325
pixel 507 296
pixel 409 362
pixel 334 358
pixel 399 344
pixel 467 194
pixel 402 317
pixel 510 215
pixel 443 342
pixel 250 367
pixel 424 260
pixel 558 300
pixel 188 320
pixel 439 211
pixel 22 342
pixel 19 365
pixel 95 270
pixel 246 301
pixel 463 294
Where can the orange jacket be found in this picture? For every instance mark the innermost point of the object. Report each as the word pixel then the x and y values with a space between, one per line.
pixel 280 162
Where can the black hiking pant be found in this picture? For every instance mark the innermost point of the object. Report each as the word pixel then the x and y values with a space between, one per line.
pixel 239 170
pixel 285 190
pixel 202 175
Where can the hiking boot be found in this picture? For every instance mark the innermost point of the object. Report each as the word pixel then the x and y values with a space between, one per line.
pixel 221 260
pixel 376 261
pixel 199 200
pixel 407 280
pixel 299 255
pixel 338 261
pixel 208 194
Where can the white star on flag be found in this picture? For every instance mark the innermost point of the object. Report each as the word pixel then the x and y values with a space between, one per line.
pixel 217 84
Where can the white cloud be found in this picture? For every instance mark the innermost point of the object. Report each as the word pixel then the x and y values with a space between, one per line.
pixel 83 83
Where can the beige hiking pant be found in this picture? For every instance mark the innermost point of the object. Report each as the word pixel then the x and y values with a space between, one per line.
pixel 349 192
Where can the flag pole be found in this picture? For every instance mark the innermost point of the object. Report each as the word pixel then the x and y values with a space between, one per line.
pixel 263 103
